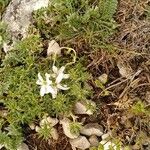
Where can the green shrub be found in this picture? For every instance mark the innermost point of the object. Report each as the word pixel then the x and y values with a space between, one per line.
pixel 87 22
pixel 19 92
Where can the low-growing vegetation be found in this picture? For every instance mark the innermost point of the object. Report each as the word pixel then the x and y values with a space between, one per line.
pixel 62 77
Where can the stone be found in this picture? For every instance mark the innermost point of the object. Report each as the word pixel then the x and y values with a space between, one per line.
pixel 18 17
pixel 23 146
pixel 80 143
pixel 49 121
pixel 81 108
pixel 37 128
pixel 93 141
pixel 105 136
pixel 32 126
pixel 53 48
pixel 66 128
pixel 103 78
pixel 92 129
pixel 54 134
pixel 124 70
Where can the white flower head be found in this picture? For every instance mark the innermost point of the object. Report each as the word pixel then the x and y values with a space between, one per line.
pixel 45 84
pixel 50 86
pixel 59 75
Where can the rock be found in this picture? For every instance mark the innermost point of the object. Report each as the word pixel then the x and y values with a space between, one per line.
pixel 103 78
pixel 53 48
pixel 136 147
pixel 93 141
pixel 18 17
pixel 107 145
pixel 80 143
pixel 49 121
pixel 23 146
pixel 105 136
pixel 32 126
pixel 124 70
pixel 92 129
pixel 52 121
pixel 148 97
pixel 54 134
pixel 37 128
pixel 81 108
pixel 66 128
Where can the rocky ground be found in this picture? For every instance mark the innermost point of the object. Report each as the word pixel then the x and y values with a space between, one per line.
pixel 126 71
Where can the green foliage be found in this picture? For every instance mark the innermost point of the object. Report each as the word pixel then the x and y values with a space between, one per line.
pixel 139 108
pixel 45 132
pixel 84 21
pixel 20 94
pixel 75 127
pixel 11 138
pixel 3 4
pixel 4 36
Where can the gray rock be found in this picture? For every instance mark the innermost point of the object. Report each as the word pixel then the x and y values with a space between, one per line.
pixel 80 143
pixel 103 78
pixel 23 146
pixel 93 141
pixel 53 48
pixel 92 129
pixel 81 107
pixel 18 16
pixel 66 128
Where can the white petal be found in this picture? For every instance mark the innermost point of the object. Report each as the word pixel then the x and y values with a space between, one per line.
pixel 55 69
pixel 55 93
pixel 40 77
pixel 66 76
pixel 42 90
pixel 48 81
pixel 59 78
pixel 61 70
pixel 49 89
pixel 38 82
pixel 59 86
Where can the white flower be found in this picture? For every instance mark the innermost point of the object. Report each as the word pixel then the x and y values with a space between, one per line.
pixel 45 84
pixel 48 86
pixel 59 76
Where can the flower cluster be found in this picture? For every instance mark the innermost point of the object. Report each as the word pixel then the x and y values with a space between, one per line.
pixel 52 83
